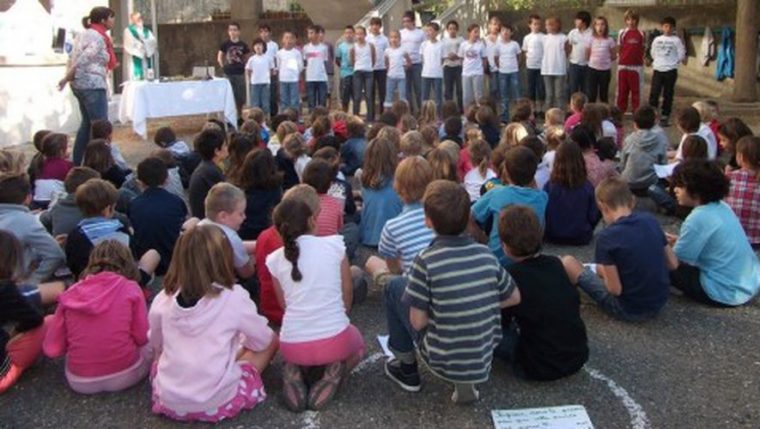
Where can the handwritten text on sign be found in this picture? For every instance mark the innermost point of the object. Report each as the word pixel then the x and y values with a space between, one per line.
pixel 564 417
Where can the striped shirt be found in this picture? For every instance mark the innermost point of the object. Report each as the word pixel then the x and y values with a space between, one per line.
pixel 405 235
pixel 330 218
pixel 460 284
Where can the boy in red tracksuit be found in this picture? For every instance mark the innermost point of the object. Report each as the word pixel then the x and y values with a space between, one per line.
pixel 630 62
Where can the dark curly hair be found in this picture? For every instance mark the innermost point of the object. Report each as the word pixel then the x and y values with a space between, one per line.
pixel 702 179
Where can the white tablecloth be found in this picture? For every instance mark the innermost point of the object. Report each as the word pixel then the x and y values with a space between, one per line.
pixel 141 100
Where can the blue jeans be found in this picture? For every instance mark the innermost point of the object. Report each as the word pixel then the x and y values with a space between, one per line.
pixel 434 84
pixel 509 90
pixel 576 79
pixel 401 334
pixel 316 94
pixel 594 287
pixel 391 85
pixel 414 86
pixel 346 87
pixel 93 106
pixel 289 97
pixel 661 196
pixel 363 88
pixel 260 96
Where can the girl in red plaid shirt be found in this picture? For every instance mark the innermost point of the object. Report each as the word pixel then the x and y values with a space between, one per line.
pixel 744 196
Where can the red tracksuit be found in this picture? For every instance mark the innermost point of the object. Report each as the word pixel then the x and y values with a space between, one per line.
pixel 630 67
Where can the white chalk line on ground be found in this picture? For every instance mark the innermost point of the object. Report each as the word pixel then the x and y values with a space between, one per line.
pixel 311 418
pixel 639 419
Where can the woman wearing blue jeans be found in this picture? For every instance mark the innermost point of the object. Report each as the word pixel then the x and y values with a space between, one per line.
pixel 92 59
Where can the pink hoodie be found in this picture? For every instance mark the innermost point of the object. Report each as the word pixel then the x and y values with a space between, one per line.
pixel 100 324
pixel 198 347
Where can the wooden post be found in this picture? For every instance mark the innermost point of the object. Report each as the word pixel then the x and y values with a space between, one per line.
pixel 745 73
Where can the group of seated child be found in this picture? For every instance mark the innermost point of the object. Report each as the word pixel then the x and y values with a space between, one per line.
pixel 255 232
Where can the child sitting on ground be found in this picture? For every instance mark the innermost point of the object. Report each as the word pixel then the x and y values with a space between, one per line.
pixel 519 169
pixel 689 123
pixel 380 201
pixel 101 324
pixel 443 164
pixel 156 214
pixel 329 219
pixel 538 148
pixel 642 150
pixel 571 213
pixel 63 216
pixel 96 199
pixel 480 157
pixel 283 128
pixel 577 102
pixel 42 255
pixel 292 159
pixel 210 344
pixel 262 184
pixel 97 155
pixel 453 130
pixel 352 151
pixel 716 264
pixel 553 118
pixel 340 188
pixel 632 258
pixel 37 158
pixel 212 147
pixel 103 129
pixel 544 335
pixel 440 322
pixel 488 124
pixel 185 159
pixel 411 144
pixel 404 236
pixel 23 347
pixel 744 194
pixel 312 280
pixel 554 137
pixel 50 170
pixel 595 168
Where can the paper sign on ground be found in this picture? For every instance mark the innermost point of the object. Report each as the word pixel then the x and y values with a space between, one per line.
pixel 383 340
pixel 564 417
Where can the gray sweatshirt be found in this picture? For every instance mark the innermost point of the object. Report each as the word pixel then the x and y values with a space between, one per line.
pixel 641 151
pixel 40 248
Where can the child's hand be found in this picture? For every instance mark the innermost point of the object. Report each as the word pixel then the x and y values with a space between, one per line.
pixel 671 239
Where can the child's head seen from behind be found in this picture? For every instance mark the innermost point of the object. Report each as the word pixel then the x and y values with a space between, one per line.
pixel 447 207
pixel 520 232
pixel 413 174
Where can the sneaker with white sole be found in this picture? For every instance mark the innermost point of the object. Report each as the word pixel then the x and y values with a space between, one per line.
pixel 465 393
pixel 406 376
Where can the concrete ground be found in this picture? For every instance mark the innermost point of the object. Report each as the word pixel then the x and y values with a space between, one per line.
pixel 691 367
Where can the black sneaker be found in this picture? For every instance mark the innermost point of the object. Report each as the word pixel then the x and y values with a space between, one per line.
pixel 405 375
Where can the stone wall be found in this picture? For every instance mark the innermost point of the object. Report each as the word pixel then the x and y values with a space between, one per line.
pixel 183 46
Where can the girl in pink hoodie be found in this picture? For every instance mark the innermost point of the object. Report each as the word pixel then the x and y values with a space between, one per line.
pixel 211 343
pixel 101 324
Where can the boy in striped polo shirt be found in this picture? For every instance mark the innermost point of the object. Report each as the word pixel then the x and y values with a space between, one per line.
pixel 451 306
pixel 404 236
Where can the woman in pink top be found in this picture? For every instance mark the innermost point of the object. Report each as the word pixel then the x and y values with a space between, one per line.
pixel 101 324
pixel 602 51
pixel 211 343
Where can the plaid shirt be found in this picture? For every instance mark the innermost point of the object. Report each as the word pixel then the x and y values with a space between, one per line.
pixel 744 199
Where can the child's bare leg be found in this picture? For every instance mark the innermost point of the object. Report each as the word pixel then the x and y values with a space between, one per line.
pixel 49 292
pixel 376 266
pixel 261 359
pixel 149 261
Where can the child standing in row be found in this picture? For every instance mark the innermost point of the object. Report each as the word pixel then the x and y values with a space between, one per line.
pixel 602 53
pixel 452 64
pixel 316 56
pixel 578 38
pixel 211 345
pixel 362 57
pixel 396 61
pixel 554 64
pixel 506 58
pixel 431 51
pixel 377 39
pixel 630 75
pixel 289 65
pixel 533 47
pixel 259 69
pixel 667 52
pixel 473 55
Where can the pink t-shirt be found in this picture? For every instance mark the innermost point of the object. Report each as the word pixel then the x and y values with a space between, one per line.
pixel 601 58
pixel 572 121
pixel 330 219
pixel 100 325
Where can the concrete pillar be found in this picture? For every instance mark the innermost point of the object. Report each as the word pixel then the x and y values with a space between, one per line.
pixel 246 9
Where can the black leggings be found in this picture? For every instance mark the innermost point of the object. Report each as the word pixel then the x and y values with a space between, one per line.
pixel 598 85
pixel 686 279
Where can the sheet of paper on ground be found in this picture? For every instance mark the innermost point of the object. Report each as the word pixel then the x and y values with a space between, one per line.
pixel 563 417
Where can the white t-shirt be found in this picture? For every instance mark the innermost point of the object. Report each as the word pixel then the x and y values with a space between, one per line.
pixel 706 133
pixel 507 53
pixel 363 57
pixel 473 181
pixel 260 67
pixel 290 64
pixel 667 52
pixel 473 54
pixel 533 46
pixel 316 56
pixel 554 62
pixel 381 44
pixel 396 61
pixel 491 45
pixel 314 308
pixel 239 255
pixel 272 49
pixel 451 46
pixel 432 59
pixel 579 41
pixel 411 41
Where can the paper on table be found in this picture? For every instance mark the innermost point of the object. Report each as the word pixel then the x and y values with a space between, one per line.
pixel 383 340
pixel 665 171
pixel 564 417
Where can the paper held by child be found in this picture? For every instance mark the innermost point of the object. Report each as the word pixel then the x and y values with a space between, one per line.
pixel 562 417
pixel 665 171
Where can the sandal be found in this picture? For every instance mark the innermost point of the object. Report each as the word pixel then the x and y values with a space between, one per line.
pixel 294 390
pixel 324 390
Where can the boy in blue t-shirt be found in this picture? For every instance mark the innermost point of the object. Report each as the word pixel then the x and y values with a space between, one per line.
pixel 342 60
pixel 632 258
pixel 716 264
pixel 519 169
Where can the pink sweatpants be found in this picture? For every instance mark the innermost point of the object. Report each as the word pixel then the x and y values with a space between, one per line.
pixel 113 382
pixel 26 348
pixel 346 346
